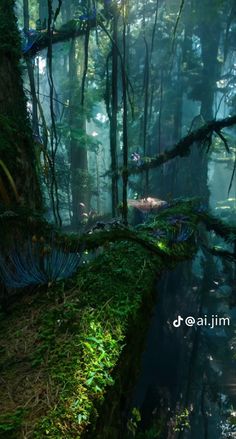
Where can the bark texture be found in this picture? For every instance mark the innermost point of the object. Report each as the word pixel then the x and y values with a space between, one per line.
pixel 16 142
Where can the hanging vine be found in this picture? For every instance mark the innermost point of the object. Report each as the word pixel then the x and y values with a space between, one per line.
pixel 54 141
pixel 125 124
pixel 86 56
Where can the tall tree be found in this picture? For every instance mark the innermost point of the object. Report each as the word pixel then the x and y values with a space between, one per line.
pixel 16 143
pixel 113 113
pixel 78 147
pixel 30 68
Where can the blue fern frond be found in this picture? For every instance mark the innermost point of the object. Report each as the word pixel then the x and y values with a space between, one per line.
pixel 184 234
pixel 37 264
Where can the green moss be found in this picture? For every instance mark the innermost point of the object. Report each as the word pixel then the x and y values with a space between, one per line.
pixel 7 139
pixel 71 338
pixel 79 334
pixel 110 293
pixel 10 422
pixel 9 35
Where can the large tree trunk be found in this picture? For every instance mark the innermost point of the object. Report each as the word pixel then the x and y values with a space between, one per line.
pixel 209 31
pixel 16 143
pixel 78 148
pixel 30 68
pixel 113 118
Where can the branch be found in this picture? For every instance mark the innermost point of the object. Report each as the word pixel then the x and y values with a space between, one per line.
pixel 182 148
pixel 67 32
pixel 231 257
pixel 225 231
pixel 98 239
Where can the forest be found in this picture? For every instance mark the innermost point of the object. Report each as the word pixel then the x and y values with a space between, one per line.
pixel 117 219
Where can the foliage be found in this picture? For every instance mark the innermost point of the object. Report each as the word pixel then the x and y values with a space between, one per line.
pixel 78 334
pixel 133 421
pixel 169 234
pixel 10 422
pixel 182 421
pixel 37 263
pixel 9 37
pixel 97 347
pixel 81 328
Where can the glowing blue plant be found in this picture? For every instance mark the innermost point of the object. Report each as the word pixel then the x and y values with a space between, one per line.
pixel 184 234
pixel 159 234
pixel 37 264
pixel 29 39
pixel 177 219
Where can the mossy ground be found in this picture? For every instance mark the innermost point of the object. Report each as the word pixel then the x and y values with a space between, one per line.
pixel 60 345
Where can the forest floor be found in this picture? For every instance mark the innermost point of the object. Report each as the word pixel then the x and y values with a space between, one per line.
pixel 61 346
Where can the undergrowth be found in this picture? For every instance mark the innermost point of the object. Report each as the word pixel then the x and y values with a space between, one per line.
pixel 59 346
pixel 75 336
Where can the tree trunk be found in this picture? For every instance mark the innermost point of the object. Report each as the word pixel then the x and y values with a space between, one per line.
pixel 113 119
pixel 209 30
pixel 16 143
pixel 78 150
pixel 125 125
pixel 43 10
pixel 30 68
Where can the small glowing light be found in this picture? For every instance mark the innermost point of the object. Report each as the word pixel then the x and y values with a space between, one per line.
pixel 222 83
pixel 161 245
pixel 94 134
pixel 101 117
pixel 42 64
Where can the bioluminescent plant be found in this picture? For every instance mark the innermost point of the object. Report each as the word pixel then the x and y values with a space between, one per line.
pixel 37 263
pixel 30 39
pixel 183 234
pixel 161 234
pixel 174 236
pixel 177 219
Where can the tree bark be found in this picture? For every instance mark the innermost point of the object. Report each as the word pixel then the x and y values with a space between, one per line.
pixel 67 32
pixel 125 174
pixel 16 143
pixel 30 69
pixel 113 119
pixel 78 149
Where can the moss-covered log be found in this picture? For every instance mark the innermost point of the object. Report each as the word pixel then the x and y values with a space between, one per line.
pixel 182 148
pixel 32 224
pixel 69 340
pixel 62 347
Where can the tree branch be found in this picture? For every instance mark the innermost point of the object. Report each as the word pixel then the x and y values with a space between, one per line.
pixel 183 147
pixel 68 31
pixel 98 239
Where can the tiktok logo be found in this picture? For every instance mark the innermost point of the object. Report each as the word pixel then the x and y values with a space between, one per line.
pixel 177 323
